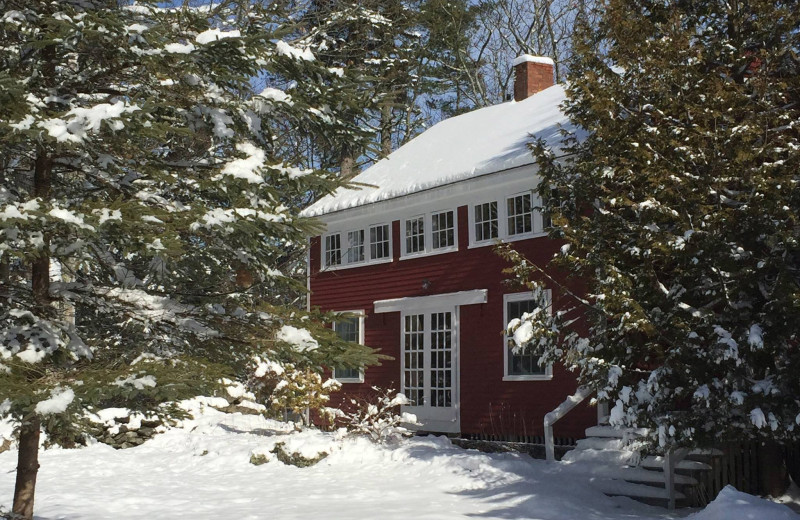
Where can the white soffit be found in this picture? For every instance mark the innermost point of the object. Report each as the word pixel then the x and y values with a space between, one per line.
pixel 432 302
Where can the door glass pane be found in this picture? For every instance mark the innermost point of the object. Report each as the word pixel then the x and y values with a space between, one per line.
pixel 441 335
pixel 414 358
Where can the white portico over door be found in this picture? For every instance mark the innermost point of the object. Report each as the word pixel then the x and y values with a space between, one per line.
pixel 429 355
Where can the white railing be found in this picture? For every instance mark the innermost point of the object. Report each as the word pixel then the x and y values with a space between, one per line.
pixel 553 417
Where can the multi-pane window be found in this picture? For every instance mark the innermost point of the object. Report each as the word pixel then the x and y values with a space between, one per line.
pixel 351 248
pixel 415 235
pixel 441 359
pixel 521 361
pixel 355 246
pixel 443 230
pixel 486 222
pixel 520 214
pixel 379 242
pixel 414 359
pixel 333 250
pixel 348 329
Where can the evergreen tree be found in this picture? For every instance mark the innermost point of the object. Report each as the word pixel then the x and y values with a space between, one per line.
pixel 678 200
pixel 145 209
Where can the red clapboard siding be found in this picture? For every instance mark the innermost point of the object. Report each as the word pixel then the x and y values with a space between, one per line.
pixel 489 405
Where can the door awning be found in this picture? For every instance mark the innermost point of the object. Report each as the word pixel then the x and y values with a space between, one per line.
pixel 433 301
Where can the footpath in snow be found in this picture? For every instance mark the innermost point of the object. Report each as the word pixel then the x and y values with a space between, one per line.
pixel 202 470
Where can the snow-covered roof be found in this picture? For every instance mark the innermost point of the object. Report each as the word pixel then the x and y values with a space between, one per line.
pixel 480 142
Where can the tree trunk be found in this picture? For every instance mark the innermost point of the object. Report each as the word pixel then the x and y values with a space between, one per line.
pixel 27 468
pixel 386 129
pixel 28 459
pixel 347 163
pixel 774 475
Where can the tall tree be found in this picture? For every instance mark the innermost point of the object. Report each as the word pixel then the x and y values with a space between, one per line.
pixel 679 206
pixel 501 30
pixel 145 211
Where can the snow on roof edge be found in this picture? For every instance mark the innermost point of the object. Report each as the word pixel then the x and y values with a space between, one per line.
pixel 481 142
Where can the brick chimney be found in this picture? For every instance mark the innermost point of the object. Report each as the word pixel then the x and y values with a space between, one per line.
pixel 531 75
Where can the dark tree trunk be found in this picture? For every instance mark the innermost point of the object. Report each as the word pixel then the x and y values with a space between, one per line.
pixel 28 459
pixel 774 475
pixel 27 468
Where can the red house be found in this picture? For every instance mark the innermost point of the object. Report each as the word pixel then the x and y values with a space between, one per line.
pixel 413 256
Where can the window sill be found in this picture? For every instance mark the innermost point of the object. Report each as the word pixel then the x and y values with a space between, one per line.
pixel 353 266
pixel 429 253
pixel 349 380
pixel 540 377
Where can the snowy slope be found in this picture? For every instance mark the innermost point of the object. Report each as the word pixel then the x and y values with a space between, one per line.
pixel 482 141
pixel 202 471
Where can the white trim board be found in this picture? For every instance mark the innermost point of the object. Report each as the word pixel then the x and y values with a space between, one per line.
pixel 433 301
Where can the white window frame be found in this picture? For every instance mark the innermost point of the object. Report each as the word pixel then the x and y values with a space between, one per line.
pixel 345 246
pixel 361 320
pixel 324 249
pixel 369 229
pixel 473 235
pixel 435 214
pixel 548 370
pixel 502 217
pixel 427 222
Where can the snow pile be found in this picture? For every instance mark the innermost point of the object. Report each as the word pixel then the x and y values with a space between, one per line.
pixel 732 504
pixel 480 142
pixel 202 470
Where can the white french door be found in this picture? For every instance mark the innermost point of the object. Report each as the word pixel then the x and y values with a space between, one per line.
pixel 430 368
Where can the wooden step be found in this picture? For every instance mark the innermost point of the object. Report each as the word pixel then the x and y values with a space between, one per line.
pixel 652 462
pixel 616 487
pixel 612 432
pixel 634 475
pixel 600 443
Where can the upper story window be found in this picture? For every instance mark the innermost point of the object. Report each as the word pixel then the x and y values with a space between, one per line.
pixel 521 364
pixel 357 246
pixel 486 223
pixel 415 235
pixel 333 250
pixel 434 232
pixel 520 214
pixel 443 230
pixel 379 242
pixel 510 218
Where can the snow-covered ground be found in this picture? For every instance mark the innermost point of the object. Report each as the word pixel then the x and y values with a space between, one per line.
pixel 203 471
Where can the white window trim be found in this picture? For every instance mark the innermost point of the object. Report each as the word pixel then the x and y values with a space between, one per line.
pixel 361 319
pixel 367 249
pixel 548 370
pixel 428 234
pixel 502 217
pixel 368 240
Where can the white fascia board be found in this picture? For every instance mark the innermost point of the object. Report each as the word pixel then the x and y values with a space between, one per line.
pixel 448 196
pixel 435 301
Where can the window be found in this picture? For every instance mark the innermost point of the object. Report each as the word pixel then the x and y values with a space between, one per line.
pixel 349 329
pixel 432 233
pixel 333 250
pixel 520 214
pixel 355 246
pixel 524 364
pixel 486 223
pixel 356 250
pixel 379 242
pixel 415 235
pixel 442 230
